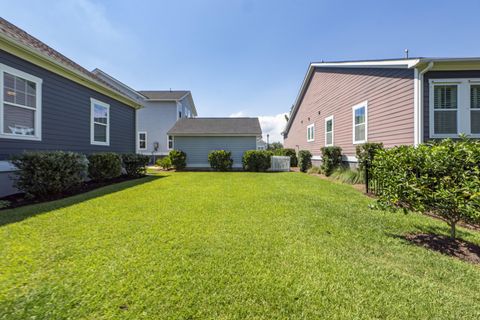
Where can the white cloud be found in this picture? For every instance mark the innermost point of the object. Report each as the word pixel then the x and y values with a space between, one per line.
pixel 271 125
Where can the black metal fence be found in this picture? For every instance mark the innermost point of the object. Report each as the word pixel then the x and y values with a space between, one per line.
pixel 373 184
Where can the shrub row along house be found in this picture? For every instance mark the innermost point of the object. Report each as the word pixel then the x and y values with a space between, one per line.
pixel 49 102
pixel 397 102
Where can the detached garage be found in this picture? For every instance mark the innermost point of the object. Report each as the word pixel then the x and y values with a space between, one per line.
pixel 198 136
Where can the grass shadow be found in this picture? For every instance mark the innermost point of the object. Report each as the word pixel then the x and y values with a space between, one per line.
pixel 21 213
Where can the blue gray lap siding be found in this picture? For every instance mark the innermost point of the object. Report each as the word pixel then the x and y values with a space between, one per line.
pixel 426 91
pixel 66 116
pixel 198 148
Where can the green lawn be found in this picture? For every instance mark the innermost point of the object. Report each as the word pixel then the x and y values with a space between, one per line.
pixel 226 246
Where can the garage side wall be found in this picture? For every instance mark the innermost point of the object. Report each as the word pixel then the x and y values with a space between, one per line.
pixel 198 148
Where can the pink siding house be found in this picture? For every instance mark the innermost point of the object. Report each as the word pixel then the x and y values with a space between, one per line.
pixel 397 102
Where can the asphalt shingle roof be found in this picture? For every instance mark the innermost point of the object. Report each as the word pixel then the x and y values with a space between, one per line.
pixel 216 126
pixel 164 94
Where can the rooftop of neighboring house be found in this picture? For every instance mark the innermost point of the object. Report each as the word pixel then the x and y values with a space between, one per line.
pixel 169 95
pixel 217 126
pixel 24 40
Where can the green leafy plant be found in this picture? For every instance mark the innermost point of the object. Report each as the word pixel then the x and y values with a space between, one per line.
pixel 165 163
pixel 314 170
pixel 220 160
pixel 256 160
pixel 347 175
pixel 304 160
pixel 331 159
pixel 441 178
pixel 275 145
pixel 135 164
pixel 46 175
pixel 104 166
pixel 178 159
pixel 366 153
pixel 4 204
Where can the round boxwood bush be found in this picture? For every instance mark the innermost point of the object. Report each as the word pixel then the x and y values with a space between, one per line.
pixel 104 166
pixel 220 160
pixel 304 160
pixel 164 162
pixel 46 175
pixel 178 159
pixel 135 164
pixel 256 160
pixel 331 159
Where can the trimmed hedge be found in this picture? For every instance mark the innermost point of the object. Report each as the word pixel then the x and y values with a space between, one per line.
pixel 304 160
pixel 366 153
pixel 178 159
pixel 288 153
pixel 331 159
pixel 220 160
pixel 46 175
pixel 442 178
pixel 256 160
pixel 104 166
pixel 164 162
pixel 135 165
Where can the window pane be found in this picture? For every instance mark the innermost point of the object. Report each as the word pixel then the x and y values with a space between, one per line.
pixel 31 101
pixel 445 122
pixel 142 144
pixel 9 95
pixel 360 132
pixel 31 88
pixel 329 138
pixel 329 126
pixel 100 133
pixel 18 120
pixel 20 84
pixel 8 81
pixel 445 97
pixel 360 115
pixel 20 97
pixel 100 114
pixel 475 121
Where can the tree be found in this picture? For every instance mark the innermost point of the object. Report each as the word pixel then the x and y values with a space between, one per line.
pixel 441 178
pixel 275 146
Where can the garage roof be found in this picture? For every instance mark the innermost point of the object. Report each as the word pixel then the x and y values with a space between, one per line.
pixel 216 127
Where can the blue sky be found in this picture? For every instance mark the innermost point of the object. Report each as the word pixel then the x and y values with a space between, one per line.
pixel 242 57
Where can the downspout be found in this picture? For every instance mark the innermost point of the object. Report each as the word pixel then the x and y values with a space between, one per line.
pixel 418 112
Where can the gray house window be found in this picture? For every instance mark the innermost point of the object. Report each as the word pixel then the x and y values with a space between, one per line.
pixel 142 140
pixel 170 142
pixel 20 109
pixel 100 123
pixel 475 109
pixel 445 109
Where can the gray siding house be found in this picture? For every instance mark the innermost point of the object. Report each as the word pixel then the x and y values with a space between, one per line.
pixel 49 102
pixel 197 137
pixel 396 102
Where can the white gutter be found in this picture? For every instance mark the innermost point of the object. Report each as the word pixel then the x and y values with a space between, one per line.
pixel 418 104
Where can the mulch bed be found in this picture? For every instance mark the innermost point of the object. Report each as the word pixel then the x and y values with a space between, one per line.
pixel 19 199
pixel 457 248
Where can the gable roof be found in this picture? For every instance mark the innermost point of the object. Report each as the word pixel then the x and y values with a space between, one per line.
pixel 466 63
pixel 20 43
pixel 216 127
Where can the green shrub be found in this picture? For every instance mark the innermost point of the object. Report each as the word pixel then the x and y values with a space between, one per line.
pixel 178 159
pixel 164 162
pixel 314 170
pixel 347 175
pixel 220 160
pixel 104 166
pixel 46 175
pixel 366 153
pixel 287 153
pixel 442 178
pixel 331 159
pixel 4 204
pixel 135 164
pixel 256 160
pixel 304 160
pixel 274 146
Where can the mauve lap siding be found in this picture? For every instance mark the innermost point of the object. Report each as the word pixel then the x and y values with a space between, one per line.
pixel 390 97
pixel 66 116
pixel 198 148
pixel 426 92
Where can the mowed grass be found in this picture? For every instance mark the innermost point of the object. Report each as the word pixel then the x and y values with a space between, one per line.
pixel 227 246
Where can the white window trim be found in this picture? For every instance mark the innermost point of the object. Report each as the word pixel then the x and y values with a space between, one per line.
pixel 354 108
pixel 138 137
pixel 92 122
pixel 168 142
pixel 463 106
pixel 38 110
pixel 313 132
pixel 333 128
